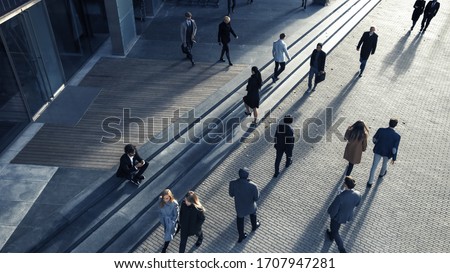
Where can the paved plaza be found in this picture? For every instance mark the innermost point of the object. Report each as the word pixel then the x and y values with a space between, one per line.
pixel 407 211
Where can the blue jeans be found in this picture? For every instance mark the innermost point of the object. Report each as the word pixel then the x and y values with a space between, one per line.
pixel 313 71
pixel 363 65
pixel 376 160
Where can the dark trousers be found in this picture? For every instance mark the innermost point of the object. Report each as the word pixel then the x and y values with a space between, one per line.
pixel 363 65
pixel 280 152
pixel 277 71
pixel 334 228
pixel 425 21
pixel 231 5
pixel 135 175
pixel 226 50
pixel 189 45
pixel 240 224
pixel 349 169
pixel 184 237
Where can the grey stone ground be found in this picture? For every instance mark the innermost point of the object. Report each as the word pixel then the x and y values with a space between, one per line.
pixel 408 210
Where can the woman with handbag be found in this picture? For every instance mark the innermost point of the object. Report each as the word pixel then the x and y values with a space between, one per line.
pixel 168 215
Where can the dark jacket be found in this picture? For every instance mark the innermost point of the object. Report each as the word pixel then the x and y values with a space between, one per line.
pixel 191 219
pixel 431 11
pixel 126 168
pixel 343 206
pixel 245 194
pixel 369 44
pixel 321 59
pixel 224 33
pixel 284 137
pixel 419 5
pixel 385 140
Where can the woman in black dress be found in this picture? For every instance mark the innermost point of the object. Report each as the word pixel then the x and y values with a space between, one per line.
pixel 419 5
pixel 251 101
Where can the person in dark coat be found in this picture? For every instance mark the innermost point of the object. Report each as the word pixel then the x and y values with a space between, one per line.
pixel 284 143
pixel 341 211
pixel 368 41
pixel 192 216
pixel 386 142
pixel 251 101
pixel 430 11
pixel 245 194
pixel 223 37
pixel 132 166
pixel 317 65
pixel 356 136
pixel 419 5
pixel 168 216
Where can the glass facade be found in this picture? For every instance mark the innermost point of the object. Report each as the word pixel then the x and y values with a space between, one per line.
pixel 80 27
pixel 41 47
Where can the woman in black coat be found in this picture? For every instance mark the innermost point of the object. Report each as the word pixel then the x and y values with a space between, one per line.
pixel 419 6
pixel 252 98
pixel 192 216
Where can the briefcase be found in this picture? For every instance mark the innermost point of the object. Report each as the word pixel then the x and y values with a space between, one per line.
pixel 184 49
pixel 320 77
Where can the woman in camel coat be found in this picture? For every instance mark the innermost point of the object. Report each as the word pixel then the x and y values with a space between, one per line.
pixel 356 136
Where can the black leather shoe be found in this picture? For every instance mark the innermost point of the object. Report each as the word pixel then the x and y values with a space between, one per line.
pixel 242 238
pixel 275 175
pixel 221 60
pixel 382 175
pixel 330 236
pixel 230 64
pixel 369 185
pixel 288 163
pixel 258 224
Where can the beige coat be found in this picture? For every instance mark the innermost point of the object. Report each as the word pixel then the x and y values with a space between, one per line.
pixel 354 149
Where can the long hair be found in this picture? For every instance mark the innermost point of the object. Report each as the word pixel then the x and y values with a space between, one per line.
pixel 164 193
pixel 255 70
pixel 358 131
pixel 192 198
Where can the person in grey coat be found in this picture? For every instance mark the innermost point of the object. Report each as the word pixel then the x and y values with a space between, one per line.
pixel 168 216
pixel 341 211
pixel 245 194
pixel 188 30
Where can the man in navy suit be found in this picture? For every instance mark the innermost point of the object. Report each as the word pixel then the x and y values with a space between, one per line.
pixel 430 11
pixel 341 211
pixel 368 41
pixel 386 142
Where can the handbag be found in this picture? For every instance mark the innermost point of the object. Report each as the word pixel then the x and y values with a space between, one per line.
pixel 320 77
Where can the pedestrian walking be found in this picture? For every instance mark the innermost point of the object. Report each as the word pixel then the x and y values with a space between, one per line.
pixel 284 143
pixel 386 142
pixel 368 41
pixel 231 5
pixel 317 66
pixel 419 5
pixel 188 31
pixel 431 10
pixel 168 216
pixel 132 166
pixel 341 211
pixel 279 51
pixel 223 37
pixel 356 136
pixel 192 216
pixel 245 194
pixel 251 101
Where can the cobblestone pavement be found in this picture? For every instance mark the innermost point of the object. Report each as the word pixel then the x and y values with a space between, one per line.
pixel 406 211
